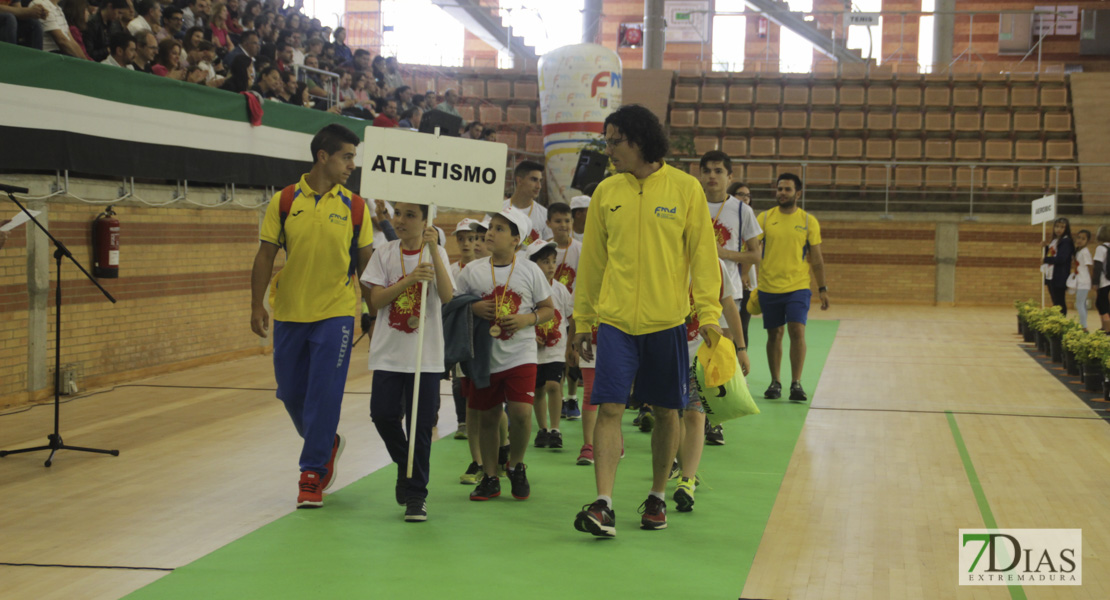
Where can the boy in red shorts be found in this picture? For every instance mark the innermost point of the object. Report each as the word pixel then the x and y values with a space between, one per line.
pixel 515 298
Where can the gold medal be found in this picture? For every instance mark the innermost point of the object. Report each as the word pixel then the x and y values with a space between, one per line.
pixel 494 328
pixel 414 322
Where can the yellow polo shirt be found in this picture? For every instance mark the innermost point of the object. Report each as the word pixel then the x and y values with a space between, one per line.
pixel 319 280
pixel 784 267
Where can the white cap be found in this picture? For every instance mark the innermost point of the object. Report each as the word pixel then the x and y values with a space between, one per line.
pixel 579 202
pixel 464 226
pixel 519 218
pixel 535 247
pixel 482 225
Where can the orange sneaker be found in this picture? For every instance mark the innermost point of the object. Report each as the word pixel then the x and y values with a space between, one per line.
pixel 312 491
pixel 336 451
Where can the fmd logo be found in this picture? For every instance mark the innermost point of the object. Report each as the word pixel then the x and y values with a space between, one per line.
pixel 1021 557
pixel 603 79
pixel 666 213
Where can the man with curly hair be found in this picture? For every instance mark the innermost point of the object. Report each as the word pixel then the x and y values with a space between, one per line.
pixel 649 244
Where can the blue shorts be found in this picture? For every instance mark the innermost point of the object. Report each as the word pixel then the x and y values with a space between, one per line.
pixel 657 363
pixel 780 309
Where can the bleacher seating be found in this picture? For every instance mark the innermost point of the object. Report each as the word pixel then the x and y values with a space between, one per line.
pixel 886 116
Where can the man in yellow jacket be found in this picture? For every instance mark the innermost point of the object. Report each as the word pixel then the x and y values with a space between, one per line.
pixel 648 243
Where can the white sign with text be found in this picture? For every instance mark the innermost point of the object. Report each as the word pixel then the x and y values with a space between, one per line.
pixel 400 165
pixel 1044 209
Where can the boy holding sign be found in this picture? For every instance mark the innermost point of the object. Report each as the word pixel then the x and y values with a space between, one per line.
pixel 515 299
pixel 393 277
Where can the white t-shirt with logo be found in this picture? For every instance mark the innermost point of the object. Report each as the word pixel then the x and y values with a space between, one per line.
pixel 538 213
pixel 567 260
pixel 1100 257
pixel 731 233
pixel 749 231
pixel 525 287
pixel 693 339
pixel 1082 273
pixel 551 337
pixel 393 347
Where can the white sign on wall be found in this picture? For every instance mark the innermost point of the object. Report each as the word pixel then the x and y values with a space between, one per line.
pixel 1043 23
pixel 399 165
pixel 861 19
pixel 1044 209
pixel 687 21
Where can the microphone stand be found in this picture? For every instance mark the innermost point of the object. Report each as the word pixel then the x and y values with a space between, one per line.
pixel 55 439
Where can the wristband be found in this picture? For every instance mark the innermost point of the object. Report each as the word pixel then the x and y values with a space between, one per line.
pixel 537 315
pixel 745 349
pixel 823 289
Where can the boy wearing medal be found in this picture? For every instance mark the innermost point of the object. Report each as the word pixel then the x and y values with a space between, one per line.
pixel 515 299
pixel 551 344
pixel 393 278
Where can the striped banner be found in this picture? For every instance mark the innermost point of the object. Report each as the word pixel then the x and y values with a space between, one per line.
pixel 60 113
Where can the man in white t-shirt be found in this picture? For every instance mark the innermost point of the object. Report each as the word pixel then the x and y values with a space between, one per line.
pixel 515 299
pixel 735 225
pixel 394 276
pixel 149 17
pixel 55 29
pixel 528 176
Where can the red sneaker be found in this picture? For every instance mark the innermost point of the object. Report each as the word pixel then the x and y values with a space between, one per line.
pixel 586 455
pixel 336 451
pixel 312 491
pixel 654 513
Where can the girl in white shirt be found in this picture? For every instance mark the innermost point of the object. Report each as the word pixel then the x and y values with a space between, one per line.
pixel 1083 263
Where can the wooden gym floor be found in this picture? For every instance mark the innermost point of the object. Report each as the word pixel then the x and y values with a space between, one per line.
pixel 870 506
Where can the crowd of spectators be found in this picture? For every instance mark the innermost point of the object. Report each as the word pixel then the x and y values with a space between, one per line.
pixel 239 46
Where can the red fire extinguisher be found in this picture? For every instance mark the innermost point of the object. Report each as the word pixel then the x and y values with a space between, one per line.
pixel 105 235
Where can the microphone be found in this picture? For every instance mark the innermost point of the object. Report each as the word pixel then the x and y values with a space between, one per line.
pixel 11 189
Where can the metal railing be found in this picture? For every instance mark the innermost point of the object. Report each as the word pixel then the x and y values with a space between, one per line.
pixel 932 195
pixel 328 81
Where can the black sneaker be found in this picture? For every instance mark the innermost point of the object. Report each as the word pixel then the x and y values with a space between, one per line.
pixel 472 475
pixel 416 510
pixel 654 513
pixel 400 493
pixel 675 470
pixel 774 391
pixel 555 440
pixel 502 458
pixel 598 519
pixel 542 438
pixel 797 394
pixel 715 436
pixel 519 480
pixel 647 420
pixel 489 487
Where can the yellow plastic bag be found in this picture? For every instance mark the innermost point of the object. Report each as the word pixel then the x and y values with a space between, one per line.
pixel 720 382
pixel 753 303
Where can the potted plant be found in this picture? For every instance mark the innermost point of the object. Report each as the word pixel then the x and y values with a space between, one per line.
pixel 1091 353
pixel 1072 338
pixel 1023 310
pixel 1055 326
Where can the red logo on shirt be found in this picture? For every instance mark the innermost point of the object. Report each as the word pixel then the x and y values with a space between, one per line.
pixel 403 308
pixel 692 324
pixel 510 305
pixel 533 236
pixel 548 334
pixel 722 233
pixel 565 275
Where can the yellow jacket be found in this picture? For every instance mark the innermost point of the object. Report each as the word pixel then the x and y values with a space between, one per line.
pixel 645 241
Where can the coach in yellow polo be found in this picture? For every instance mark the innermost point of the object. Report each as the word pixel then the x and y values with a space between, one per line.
pixel 326 233
pixel 790 237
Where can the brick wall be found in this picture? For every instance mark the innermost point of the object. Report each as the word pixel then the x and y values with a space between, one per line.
pixel 675 56
pixel 183 294
pixel 13 313
pixel 879 261
pixel 998 264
